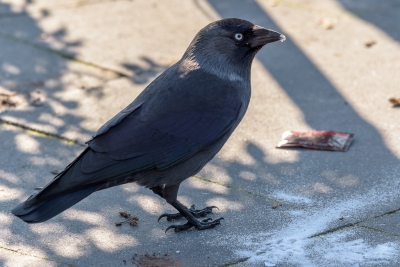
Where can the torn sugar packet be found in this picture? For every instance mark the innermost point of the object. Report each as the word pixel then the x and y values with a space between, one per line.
pixel 322 140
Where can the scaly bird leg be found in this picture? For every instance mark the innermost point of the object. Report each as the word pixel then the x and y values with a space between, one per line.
pixel 170 195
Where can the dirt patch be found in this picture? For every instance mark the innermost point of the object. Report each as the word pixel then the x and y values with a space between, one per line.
pixel 155 260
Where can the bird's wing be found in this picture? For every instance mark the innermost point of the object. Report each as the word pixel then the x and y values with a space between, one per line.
pixel 117 118
pixel 159 142
pixel 175 117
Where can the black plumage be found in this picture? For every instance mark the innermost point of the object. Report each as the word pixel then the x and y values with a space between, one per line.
pixel 170 131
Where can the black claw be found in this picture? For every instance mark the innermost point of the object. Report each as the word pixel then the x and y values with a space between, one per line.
pixel 170 227
pixel 179 228
pixel 161 216
pixel 203 212
pixel 200 225
pixel 170 217
pixel 208 223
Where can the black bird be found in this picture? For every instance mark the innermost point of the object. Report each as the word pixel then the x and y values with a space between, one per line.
pixel 170 131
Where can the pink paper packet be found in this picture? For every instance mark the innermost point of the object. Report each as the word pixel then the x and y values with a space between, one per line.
pixel 322 140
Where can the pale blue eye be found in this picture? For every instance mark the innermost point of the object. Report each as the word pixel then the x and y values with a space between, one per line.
pixel 238 36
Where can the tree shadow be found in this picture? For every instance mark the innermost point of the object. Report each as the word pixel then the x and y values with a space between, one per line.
pixel 32 79
pixel 144 74
pixel 384 15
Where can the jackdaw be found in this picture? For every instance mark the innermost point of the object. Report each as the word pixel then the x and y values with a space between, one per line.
pixel 170 131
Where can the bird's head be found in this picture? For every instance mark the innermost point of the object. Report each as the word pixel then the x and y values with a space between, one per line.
pixel 228 46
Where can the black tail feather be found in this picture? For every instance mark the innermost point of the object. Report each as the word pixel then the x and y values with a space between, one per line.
pixel 45 210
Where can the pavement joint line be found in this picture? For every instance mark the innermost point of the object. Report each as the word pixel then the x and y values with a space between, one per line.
pixel 41 133
pixel 61 54
pixel 377 230
pixel 233 263
pixel 42 258
pixel 243 190
pixel 329 231
pixel 381 215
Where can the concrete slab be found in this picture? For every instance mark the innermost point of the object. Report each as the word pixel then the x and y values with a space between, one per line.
pixel 326 76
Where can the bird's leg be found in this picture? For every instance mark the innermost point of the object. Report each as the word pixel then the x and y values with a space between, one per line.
pixel 158 190
pixel 170 195
pixel 175 216
pixel 192 221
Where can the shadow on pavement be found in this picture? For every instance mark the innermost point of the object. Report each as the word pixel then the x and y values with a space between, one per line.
pixel 143 75
pixel 384 15
pixel 31 79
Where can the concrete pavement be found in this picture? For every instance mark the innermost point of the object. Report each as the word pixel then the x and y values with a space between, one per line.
pixel 69 66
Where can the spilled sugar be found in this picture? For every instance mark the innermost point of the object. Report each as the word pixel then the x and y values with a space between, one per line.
pixel 292 199
pixel 295 245
pixel 336 249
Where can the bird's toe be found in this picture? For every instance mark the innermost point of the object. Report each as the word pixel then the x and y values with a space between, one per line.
pixel 199 225
pixel 195 212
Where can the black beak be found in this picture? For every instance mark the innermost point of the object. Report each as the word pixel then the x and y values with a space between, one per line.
pixel 263 36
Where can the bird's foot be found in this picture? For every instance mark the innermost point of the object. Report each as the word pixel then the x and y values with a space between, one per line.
pixel 199 225
pixel 196 213
pixel 191 215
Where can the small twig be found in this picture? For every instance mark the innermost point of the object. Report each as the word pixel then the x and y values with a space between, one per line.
pixel 395 101
pixel 132 220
